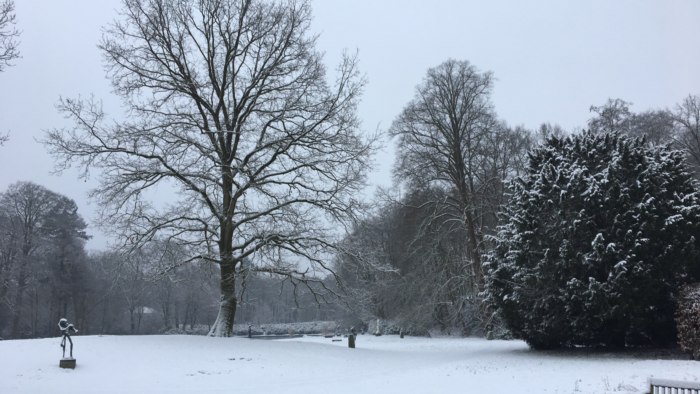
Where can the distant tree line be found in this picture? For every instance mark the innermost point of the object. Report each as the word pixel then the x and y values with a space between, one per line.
pixel 42 261
pixel 46 274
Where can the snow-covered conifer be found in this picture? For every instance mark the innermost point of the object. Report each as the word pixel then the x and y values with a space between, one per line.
pixel 600 234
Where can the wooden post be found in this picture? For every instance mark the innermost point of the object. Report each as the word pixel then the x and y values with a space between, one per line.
pixel 351 341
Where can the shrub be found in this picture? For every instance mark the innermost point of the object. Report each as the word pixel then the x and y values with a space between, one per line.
pixel 600 234
pixel 688 319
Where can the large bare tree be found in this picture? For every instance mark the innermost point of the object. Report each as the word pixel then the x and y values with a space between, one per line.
pixel 231 115
pixel 446 139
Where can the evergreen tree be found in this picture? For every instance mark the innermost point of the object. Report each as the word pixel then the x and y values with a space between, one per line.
pixel 600 233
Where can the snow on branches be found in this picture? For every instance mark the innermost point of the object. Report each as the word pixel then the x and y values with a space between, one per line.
pixel 599 235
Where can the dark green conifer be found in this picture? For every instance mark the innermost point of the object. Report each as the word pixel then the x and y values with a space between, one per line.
pixel 601 232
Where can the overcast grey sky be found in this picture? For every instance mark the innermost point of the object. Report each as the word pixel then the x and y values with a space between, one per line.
pixel 552 60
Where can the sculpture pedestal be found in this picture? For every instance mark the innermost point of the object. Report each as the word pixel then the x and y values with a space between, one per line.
pixel 67 363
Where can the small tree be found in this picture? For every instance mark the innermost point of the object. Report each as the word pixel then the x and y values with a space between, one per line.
pixel 601 233
pixel 688 320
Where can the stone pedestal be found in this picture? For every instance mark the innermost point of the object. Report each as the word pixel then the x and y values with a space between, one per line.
pixel 67 363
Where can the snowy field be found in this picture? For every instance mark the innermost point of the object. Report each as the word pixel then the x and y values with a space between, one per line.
pixel 387 364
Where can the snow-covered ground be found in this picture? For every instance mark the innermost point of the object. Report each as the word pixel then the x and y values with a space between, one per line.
pixel 387 364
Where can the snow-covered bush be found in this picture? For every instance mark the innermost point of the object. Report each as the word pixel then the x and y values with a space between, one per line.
pixel 688 319
pixel 600 234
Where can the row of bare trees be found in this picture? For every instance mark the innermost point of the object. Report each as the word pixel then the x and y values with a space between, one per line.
pixel 41 254
pixel 46 274
pixel 678 127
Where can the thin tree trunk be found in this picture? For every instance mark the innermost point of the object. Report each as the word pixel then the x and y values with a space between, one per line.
pixel 177 315
pixel 187 315
pixel 84 316
pixel 49 324
pixel 139 315
pixel 474 249
pixel 34 313
pixel 166 314
pixel 21 284
pixel 104 314
pixel 5 285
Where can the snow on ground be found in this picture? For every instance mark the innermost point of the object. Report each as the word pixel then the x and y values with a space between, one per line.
pixel 386 364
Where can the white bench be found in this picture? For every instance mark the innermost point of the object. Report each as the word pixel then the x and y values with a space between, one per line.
pixel 665 386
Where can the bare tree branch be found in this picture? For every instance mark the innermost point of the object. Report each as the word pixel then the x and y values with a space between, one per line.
pixel 8 35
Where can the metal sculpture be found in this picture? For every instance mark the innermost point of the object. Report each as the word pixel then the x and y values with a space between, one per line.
pixel 66 328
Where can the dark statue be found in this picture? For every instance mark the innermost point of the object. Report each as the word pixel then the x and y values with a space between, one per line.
pixel 66 328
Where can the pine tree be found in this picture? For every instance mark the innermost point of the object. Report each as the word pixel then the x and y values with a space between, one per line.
pixel 600 233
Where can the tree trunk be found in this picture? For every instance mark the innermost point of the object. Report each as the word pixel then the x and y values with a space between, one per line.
pixel 223 326
pixel 474 249
pixel 104 315
pixel 4 310
pixel 187 315
pixel 21 284
pixel 458 305
pixel 166 314
pixel 139 315
pixel 84 318
pixel 176 307
pixel 49 325
pixel 194 316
